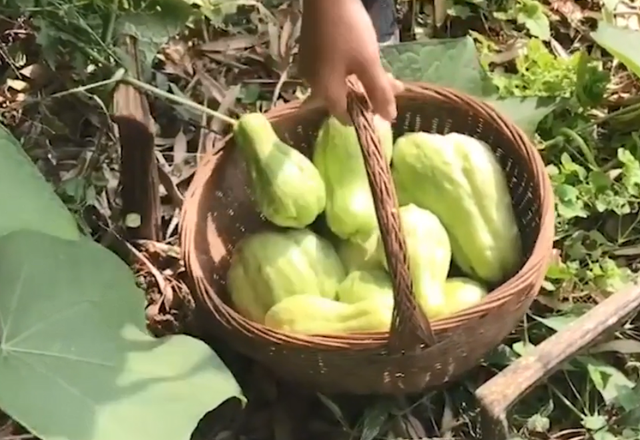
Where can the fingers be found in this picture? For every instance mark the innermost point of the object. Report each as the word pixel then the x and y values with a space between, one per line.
pixel 396 86
pixel 381 89
pixel 332 93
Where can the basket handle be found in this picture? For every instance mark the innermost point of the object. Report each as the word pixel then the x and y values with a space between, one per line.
pixel 410 327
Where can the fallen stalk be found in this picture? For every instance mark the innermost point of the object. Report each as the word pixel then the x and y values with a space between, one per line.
pixel 178 99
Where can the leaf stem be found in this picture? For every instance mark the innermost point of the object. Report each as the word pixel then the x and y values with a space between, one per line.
pixel 178 99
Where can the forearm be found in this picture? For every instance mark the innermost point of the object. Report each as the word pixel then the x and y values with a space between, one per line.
pixel 381 12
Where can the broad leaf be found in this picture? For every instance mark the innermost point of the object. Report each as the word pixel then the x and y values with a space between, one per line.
pixel 608 380
pixel 557 322
pixel 527 112
pixel 75 360
pixel 451 63
pixel 454 63
pixel 624 44
pixel 27 201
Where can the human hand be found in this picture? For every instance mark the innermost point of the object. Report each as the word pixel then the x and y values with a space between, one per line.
pixel 337 39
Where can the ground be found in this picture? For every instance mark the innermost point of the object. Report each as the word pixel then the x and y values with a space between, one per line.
pixel 57 66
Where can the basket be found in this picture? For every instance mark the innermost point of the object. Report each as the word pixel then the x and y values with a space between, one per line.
pixel 414 354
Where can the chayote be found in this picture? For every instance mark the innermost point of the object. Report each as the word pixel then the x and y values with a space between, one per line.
pixel 361 285
pixel 287 188
pixel 462 293
pixel 350 212
pixel 309 314
pixel 359 255
pixel 429 254
pixel 268 267
pixel 459 179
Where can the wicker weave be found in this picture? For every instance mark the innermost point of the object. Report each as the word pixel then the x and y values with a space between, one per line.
pixel 415 354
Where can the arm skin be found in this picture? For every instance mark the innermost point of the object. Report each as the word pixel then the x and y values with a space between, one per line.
pixel 337 39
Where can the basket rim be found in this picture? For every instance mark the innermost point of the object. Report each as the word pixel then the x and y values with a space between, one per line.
pixel 531 271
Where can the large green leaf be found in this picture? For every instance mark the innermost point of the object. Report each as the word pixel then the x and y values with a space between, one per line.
pixel 454 63
pixel 624 44
pixel 27 201
pixel 75 360
pixel 151 27
pixel 527 112
pixel 447 62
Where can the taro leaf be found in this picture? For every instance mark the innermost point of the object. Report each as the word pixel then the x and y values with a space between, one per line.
pixel 527 112
pixel 27 200
pixel 624 44
pixel 451 63
pixel 454 63
pixel 75 360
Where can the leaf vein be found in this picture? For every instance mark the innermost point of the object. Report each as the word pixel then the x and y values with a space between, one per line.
pixel 14 304
pixel 46 322
pixel 26 351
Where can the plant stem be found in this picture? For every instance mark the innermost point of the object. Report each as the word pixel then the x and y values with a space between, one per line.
pixel 178 100
pixel 108 33
pixel 588 154
pixel 631 109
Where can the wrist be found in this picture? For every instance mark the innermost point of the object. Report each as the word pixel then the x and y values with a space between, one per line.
pixel 322 4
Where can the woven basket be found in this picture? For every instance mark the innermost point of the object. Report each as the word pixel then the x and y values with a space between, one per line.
pixel 414 354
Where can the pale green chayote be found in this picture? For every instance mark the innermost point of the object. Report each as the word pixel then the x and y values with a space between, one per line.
pixel 459 179
pixel 429 254
pixel 286 186
pixel 350 212
pixel 267 267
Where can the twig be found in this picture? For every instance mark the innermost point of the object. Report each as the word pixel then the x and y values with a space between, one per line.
pixel 281 81
pixel 167 182
pixel 115 78
pixel 178 99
